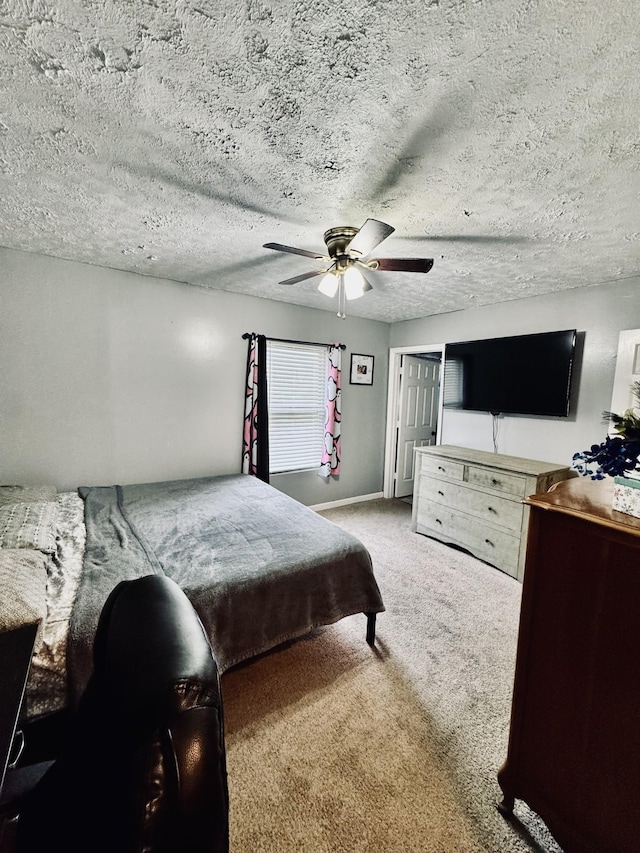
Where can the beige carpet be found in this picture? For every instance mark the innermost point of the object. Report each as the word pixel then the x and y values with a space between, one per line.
pixel 333 746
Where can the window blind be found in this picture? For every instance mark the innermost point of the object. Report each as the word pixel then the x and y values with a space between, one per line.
pixel 453 391
pixel 296 383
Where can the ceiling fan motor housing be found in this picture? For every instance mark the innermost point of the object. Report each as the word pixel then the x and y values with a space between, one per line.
pixel 338 239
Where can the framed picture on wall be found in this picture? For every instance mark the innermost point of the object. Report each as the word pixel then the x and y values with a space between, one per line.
pixel 361 369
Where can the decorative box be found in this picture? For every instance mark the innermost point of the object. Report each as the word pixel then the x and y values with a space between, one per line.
pixel 626 495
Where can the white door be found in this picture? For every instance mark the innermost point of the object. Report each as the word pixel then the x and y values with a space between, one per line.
pixel 627 371
pixel 417 416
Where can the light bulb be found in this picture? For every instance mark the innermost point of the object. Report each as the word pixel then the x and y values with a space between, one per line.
pixel 328 284
pixel 355 284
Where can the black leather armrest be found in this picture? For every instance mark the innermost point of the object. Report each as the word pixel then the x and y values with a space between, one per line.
pixel 149 635
pixel 146 769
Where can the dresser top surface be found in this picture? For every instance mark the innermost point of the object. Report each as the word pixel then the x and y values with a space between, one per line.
pixel 589 499
pixel 494 460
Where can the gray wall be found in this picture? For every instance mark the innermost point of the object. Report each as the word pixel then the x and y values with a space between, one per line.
pixel 599 313
pixel 111 377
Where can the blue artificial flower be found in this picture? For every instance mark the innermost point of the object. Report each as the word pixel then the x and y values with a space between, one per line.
pixel 619 453
pixel 614 457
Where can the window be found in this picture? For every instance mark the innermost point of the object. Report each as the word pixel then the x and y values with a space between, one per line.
pixel 296 383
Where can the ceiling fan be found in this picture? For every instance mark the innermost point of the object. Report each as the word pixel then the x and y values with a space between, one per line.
pixel 348 249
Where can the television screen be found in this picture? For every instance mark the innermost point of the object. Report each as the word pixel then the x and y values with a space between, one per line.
pixel 523 375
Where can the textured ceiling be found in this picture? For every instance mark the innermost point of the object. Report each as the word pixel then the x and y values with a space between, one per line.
pixel 174 137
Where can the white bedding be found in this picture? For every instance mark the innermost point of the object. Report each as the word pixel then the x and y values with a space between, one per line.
pixel 47 684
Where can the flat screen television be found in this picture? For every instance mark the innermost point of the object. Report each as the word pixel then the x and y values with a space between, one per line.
pixel 519 375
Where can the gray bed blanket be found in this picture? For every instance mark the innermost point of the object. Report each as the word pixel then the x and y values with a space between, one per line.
pixel 259 567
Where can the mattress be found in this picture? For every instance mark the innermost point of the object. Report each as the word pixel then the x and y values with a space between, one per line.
pixel 259 568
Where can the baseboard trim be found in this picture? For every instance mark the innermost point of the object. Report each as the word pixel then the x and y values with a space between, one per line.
pixel 345 501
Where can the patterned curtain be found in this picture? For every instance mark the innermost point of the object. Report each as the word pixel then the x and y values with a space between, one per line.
pixel 255 438
pixel 330 462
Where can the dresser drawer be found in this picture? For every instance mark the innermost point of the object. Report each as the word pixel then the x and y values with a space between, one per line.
pixel 498 481
pixel 442 468
pixel 495 546
pixel 505 512
pixel 474 499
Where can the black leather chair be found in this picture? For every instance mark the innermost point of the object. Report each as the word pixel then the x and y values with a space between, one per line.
pixel 145 769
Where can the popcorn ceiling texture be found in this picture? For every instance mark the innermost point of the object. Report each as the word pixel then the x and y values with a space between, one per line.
pixel 174 137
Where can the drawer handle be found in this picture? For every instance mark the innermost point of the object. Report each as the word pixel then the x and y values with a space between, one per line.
pixel 440 493
pixel 438 521
pixel 494 481
pixel 491 509
pixel 440 468
pixel 489 542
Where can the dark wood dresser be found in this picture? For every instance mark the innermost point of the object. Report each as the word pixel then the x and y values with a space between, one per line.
pixel 574 743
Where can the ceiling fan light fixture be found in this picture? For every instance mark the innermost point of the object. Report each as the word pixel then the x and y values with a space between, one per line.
pixel 348 250
pixel 355 284
pixel 329 284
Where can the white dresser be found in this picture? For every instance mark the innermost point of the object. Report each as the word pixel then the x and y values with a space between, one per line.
pixel 473 498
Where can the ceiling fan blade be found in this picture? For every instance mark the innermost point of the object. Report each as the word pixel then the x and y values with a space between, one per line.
pixel 293 251
pixel 302 277
pixel 466 238
pixel 403 264
pixel 372 233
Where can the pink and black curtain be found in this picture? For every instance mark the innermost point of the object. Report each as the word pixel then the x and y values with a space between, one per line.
pixel 330 461
pixel 255 439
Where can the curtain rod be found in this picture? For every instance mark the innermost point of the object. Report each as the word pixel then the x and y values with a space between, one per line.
pixel 247 335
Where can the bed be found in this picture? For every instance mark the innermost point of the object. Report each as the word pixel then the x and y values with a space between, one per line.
pixel 259 568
